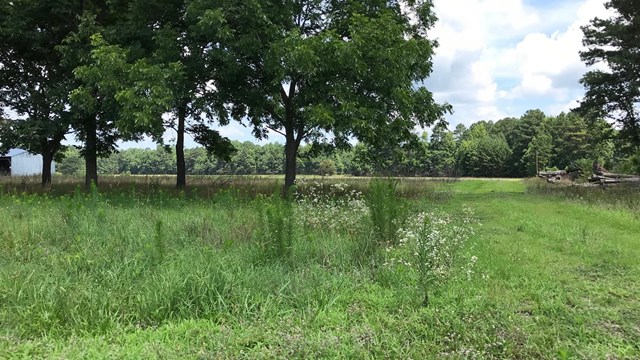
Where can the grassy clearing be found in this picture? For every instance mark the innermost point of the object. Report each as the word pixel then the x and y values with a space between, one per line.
pixel 151 274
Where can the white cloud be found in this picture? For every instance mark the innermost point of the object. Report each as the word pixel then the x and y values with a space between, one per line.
pixel 502 57
pixel 534 84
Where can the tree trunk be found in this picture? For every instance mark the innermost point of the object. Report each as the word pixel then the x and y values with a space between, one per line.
pixel 181 181
pixel 290 167
pixel 47 159
pixel 293 139
pixel 91 154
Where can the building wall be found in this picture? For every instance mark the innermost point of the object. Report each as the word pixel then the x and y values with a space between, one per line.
pixel 26 164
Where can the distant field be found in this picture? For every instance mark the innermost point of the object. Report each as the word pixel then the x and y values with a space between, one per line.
pixel 137 271
pixel 209 184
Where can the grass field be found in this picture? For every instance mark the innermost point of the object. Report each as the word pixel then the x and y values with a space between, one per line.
pixel 137 271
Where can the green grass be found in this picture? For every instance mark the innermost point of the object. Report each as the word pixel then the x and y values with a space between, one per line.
pixel 483 186
pixel 132 273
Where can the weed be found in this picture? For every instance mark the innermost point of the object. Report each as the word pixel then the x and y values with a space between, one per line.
pixel 433 243
pixel 276 235
pixel 387 210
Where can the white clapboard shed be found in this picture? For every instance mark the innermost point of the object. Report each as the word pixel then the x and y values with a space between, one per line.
pixel 18 162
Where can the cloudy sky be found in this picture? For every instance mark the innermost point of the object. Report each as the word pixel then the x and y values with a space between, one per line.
pixel 499 58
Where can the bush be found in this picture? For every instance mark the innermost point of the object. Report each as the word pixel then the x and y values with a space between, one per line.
pixel 327 168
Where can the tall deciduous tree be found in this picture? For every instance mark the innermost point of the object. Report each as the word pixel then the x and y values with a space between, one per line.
pixel 136 61
pixel 33 82
pixel 325 71
pixel 191 34
pixel 93 108
pixel 614 92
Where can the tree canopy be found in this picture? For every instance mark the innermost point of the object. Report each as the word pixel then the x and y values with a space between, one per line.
pixel 613 88
pixel 328 71
pixel 34 83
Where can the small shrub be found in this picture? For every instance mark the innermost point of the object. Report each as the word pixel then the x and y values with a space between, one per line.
pixel 327 168
pixel 585 166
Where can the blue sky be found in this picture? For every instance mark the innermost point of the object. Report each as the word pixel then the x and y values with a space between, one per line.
pixel 497 58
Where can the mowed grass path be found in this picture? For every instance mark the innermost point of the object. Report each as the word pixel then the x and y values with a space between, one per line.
pixel 554 279
pixel 567 271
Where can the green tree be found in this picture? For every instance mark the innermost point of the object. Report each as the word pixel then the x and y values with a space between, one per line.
pixel 486 155
pixel 326 167
pixel 72 163
pixel 442 151
pixel 244 161
pixel 327 71
pixel 459 131
pixel 614 92
pixel 108 165
pixel 575 138
pixel 92 99
pixel 481 153
pixel 130 73
pixel 33 81
pixel 360 164
pixel 191 35
pixel 524 130
pixel 539 152
pixel 270 159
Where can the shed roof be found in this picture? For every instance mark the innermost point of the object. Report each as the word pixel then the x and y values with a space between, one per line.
pixel 15 152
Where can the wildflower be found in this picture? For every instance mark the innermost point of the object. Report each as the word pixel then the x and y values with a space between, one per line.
pixel 435 241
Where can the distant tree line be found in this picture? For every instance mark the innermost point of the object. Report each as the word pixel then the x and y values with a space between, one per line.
pixel 506 148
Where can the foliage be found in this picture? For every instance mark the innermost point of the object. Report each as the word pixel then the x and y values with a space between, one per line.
pixel 483 150
pixel 189 37
pixel 441 152
pixel 539 151
pixel 34 84
pixel 613 90
pixel 630 165
pixel 72 163
pixel 137 91
pixel 326 71
pixel 485 155
pixel 326 167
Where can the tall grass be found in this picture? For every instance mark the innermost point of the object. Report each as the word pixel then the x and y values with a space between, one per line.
pixel 276 232
pixel 386 208
pixel 157 274
pixel 618 196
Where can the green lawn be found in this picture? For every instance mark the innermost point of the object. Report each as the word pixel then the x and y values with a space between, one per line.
pixel 126 275
pixel 482 186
